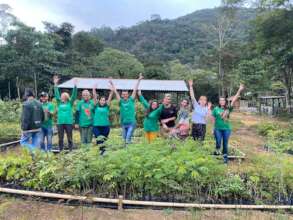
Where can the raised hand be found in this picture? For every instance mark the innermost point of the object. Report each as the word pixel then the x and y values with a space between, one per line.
pixel 111 86
pixel 210 105
pixel 75 81
pixel 139 92
pixel 56 79
pixel 241 87
pixel 190 82
pixel 140 76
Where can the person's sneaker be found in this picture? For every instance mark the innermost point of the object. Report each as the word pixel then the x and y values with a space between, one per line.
pixel 225 159
pixel 217 153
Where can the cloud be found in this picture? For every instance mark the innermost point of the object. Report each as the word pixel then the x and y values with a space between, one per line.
pixel 85 14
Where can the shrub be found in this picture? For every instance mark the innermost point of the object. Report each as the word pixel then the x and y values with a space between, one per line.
pixel 163 170
pixel 10 111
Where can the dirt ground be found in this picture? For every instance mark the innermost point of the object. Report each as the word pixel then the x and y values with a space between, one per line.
pixel 17 209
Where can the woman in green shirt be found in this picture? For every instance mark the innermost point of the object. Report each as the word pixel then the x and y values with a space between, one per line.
pixel 151 120
pixel 101 123
pixel 64 113
pixel 222 129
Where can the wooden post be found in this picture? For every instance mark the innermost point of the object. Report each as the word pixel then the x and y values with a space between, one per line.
pixel 120 203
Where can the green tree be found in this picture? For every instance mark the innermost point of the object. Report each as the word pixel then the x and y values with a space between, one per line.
pixel 117 64
pixel 87 44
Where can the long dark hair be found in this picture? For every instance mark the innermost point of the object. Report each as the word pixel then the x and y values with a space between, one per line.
pixel 226 102
pixel 102 97
pixel 150 109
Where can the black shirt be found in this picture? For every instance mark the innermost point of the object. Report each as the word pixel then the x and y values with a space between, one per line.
pixel 169 113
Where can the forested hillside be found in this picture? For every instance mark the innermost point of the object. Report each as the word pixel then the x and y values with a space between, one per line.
pixel 185 38
pixel 218 48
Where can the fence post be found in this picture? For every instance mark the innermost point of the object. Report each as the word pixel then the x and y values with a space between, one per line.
pixel 120 203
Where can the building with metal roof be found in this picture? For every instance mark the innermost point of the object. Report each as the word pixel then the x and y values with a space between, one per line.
pixel 128 84
pixel 151 88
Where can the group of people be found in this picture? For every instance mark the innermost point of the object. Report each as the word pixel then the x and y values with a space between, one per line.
pixel 92 117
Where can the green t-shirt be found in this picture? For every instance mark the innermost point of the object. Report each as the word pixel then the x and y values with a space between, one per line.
pixel 65 109
pixel 220 123
pixel 48 121
pixel 101 115
pixel 85 116
pixel 127 111
pixel 150 122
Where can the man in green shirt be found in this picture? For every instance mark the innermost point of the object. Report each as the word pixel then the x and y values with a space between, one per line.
pixel 84 117
pixel 47 125
pixel 127 110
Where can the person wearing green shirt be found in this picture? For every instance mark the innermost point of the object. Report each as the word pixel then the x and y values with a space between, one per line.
pixel 84 117
pixel 64 113
pixel 222 127
pixel 152 115
pixel 47 125
pixel 101 123
pixel 127 110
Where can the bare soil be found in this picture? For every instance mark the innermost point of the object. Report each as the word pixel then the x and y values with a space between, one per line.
pixel 17 209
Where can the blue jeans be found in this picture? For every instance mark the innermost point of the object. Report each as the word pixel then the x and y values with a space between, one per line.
pixel 222 136
pixel 127 132
pixel 31 140
pixel 47 133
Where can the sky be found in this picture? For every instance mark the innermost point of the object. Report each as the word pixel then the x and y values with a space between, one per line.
pixel 86 14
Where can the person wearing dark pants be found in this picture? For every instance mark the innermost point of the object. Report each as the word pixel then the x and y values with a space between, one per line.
pixel 201 111
pixel 84 117
pixel 65 128
pixel 127 111
pixel 222 129
pixel 198 131
pixel 101 122
pixel 64 113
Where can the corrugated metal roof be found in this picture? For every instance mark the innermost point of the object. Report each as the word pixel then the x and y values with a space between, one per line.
pixel 128 84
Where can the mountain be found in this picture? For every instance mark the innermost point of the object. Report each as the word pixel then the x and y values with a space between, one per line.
pixel 183 38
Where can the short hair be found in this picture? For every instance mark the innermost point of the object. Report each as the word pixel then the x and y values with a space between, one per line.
pixel 85 91
pixel 168 95
pixel 29 92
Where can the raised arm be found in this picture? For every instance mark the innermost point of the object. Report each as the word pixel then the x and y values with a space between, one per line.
pixel 95 95
pixel 74 92
pixel 191 91
pixel 136 86
pixel 115 90
pixel 237 95
pixel 56 89
pixel 142 100
pixel 110 94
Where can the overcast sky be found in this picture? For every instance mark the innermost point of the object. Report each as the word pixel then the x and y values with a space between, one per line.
pixel 85 14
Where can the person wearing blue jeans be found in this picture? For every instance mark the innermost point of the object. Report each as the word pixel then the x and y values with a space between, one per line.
pixel 222 129
pixel 47 125
pixel 32 117
pixel 46 135
pixel 31 139
pixel 222 136
pixel 127 110
pixel 127 131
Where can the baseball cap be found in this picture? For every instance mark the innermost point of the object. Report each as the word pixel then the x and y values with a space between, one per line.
pixel 44 94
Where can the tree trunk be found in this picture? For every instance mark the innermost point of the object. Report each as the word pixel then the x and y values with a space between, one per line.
pixel 9 90
pixel 17 87
pixel 36 84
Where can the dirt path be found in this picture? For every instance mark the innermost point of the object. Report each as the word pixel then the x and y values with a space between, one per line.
pixel 32 210
pixel 245 138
